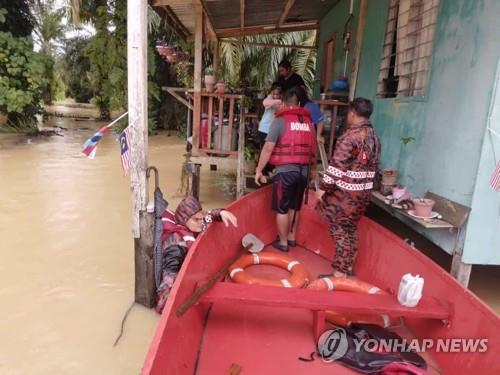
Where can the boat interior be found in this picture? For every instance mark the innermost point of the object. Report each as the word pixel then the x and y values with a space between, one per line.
pixel 274 330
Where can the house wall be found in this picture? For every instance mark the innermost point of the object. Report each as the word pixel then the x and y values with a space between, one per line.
pixel 334 22
pixel 450 155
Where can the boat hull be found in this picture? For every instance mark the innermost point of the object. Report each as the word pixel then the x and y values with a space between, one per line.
pixel 270 340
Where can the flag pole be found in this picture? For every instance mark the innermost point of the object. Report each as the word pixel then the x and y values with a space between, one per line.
pixel 116 120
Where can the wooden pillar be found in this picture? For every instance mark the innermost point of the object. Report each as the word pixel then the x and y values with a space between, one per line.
pixel 195 189
pixel 216 61
pixel 145 287
pixel 460 270
pixel 142 228
pixel 240 176
pixel 198 47
pixel 358 47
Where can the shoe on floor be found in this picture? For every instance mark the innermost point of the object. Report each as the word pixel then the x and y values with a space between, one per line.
pixel 292 243
pixel 276 244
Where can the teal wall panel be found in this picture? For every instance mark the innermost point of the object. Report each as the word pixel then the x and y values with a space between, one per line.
pixel 450 155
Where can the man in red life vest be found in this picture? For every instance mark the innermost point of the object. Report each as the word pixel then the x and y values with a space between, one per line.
pixel 290 146
pixel 346 186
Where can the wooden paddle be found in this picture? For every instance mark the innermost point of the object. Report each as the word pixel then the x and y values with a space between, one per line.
pixel 250 243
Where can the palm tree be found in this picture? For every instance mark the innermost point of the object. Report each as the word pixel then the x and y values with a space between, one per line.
pixel 253 65
pixel 48 26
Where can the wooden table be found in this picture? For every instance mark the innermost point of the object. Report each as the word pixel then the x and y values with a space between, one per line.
pixel 383 202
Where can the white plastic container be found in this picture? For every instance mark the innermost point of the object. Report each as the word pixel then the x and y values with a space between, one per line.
pixel 410 290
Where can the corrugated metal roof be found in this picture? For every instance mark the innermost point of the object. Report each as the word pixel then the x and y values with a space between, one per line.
pixel 225 14
pixel 304 10
pixel 185 14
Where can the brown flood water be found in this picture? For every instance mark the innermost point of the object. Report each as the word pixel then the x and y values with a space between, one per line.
pixel 66 252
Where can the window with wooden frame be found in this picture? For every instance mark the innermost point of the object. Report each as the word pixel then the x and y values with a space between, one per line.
pixel 329 62
pixel 406 57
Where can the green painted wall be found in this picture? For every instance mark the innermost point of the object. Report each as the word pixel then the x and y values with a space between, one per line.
pixel 449 123
pixel 334 22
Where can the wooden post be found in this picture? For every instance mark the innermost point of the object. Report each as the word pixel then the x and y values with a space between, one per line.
pixel 240 177
pixel 359 45
pixel 142 226
pixel 198 46
pixel 145 287
pixel 460 270
pixel 195 189
pixel 216 62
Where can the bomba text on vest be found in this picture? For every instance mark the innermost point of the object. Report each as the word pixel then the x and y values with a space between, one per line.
pixel 300 126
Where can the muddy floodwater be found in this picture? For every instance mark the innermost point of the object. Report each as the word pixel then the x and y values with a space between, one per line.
pixel 66 252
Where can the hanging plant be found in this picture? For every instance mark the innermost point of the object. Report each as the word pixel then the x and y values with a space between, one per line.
pixel 165 49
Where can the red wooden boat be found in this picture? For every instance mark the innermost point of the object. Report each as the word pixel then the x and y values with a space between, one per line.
pixel 265 329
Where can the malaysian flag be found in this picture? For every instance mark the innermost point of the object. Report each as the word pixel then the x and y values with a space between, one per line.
pixel 123 138
pixel 495 178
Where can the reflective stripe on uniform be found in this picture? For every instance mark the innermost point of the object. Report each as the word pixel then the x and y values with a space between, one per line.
pixel 355 174
pixel 354 187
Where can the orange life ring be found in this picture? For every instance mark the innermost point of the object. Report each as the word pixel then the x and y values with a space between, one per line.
pixel 297 279
pixel 356 286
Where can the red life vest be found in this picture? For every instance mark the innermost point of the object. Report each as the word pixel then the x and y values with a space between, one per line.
pixel 298 143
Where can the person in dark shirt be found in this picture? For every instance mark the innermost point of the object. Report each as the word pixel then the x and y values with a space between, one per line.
pixel 288 78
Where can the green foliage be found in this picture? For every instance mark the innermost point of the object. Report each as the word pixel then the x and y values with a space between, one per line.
pixel 257 66
pixel 48 27
pixel 167 111
pixel 106 73
pixel 107 54
pixel 76 70
pixel 249 153
pixel 22 78
pixel 184 74
pixel 17 18
pixel 47 32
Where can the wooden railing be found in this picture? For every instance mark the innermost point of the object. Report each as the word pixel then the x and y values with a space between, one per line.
pixel 222 120
pixel 331 110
